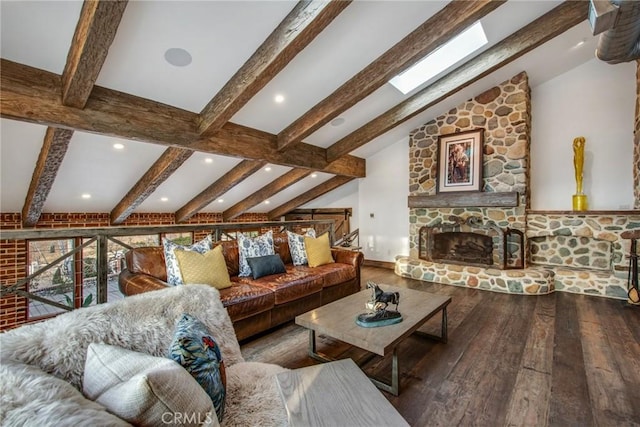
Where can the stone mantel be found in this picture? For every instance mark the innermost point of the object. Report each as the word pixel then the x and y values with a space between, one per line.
pixel 598 213
pixel 505 199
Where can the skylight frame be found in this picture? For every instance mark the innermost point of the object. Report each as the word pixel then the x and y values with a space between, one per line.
pixel 464 44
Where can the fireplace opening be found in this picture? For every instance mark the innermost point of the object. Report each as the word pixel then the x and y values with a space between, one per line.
pixel 462 248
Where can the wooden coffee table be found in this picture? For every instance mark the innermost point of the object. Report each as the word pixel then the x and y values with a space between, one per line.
pixel 335 394
pixel 337 320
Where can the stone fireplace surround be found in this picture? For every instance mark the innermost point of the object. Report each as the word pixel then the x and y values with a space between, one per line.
pixel 579 252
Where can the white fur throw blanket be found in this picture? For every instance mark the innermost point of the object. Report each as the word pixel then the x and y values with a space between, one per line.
pixel 142 323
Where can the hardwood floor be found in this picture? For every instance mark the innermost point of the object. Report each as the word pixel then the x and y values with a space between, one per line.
pixel 554 360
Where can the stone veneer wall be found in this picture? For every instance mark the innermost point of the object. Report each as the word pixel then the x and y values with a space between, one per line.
pixel 584 241
pixel 504 113
pixel 598 267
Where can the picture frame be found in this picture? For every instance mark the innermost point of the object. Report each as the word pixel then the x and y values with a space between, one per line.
pixel 460 161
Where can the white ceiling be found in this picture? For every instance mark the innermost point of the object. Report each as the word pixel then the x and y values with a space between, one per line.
pixel 221 36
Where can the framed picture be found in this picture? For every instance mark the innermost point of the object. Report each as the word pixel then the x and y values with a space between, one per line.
pixel 460 161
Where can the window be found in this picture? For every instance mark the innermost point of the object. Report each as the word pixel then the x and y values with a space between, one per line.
pixel 456 49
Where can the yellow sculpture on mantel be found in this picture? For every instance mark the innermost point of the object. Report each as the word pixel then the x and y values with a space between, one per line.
pixel 579 199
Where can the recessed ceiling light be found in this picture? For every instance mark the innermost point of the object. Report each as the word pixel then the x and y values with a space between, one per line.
pixel 580 43
pixel 208 160
pixel 178 57
pixel 337 121
pixel 268 169
pixel 314 175
pixel 279 98
pixel 164 199
pixel 118 146
pixel 266 202
pixel 220 200
pixel 86 196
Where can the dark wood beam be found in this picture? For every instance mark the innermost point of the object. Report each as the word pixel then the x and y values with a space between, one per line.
pixel 295 32
pixel 239 173
pixel 54 148
pixel 33 95
pixel 308 196
pixel 168 162
pixel 94 34
pixel 469 199
pixel 240 141
pixel 275 186
pixel 543 29
pixel 433 33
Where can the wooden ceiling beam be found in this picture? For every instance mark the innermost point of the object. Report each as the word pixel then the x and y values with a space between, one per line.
pixel 33 95
pixel 433 33
pixel 295 32
pixel 54 148
pixel 275 186
pixel 307 196
pixel 93 36
pixel 565 16
pixel 239 173
pixel 168 162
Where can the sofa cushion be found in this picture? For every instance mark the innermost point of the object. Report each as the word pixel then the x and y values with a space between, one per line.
pixel 331 274
pixel 208 268
pixel 140 388
pixel 173 269
pixel 318 250
pixel 265 266
pixel 290 286
pixel 281 247
pixel 244 299
pixel 253 247
pixel 297 248
pixel 231 256
pixel 196 350
pixel 147 260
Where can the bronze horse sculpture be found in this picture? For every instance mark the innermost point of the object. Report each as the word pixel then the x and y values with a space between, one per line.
pixel 386 298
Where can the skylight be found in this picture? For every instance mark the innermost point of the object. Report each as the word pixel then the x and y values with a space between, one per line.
pixel 467 42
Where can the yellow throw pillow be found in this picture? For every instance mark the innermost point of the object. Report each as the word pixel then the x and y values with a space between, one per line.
pixel 318 250
pixel 208 268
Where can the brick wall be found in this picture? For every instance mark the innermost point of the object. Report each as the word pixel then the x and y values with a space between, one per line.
pixel 13 253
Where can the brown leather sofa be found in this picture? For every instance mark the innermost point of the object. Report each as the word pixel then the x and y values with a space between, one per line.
pixel 257 305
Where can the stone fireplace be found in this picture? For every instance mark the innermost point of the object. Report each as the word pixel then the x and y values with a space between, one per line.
pixel 491 239
pixel 463 241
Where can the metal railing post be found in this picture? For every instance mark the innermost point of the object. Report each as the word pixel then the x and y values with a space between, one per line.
pixel 102 262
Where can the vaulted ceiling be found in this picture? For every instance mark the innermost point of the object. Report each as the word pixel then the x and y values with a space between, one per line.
pixel 77 78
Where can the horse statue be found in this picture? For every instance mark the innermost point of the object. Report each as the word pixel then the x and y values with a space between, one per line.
pixel 381 297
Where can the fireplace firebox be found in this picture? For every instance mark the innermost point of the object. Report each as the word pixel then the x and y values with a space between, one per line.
pixel 470 241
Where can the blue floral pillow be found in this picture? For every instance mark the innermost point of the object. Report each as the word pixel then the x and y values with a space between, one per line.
pixel 197 351
pixel 296 246
pixel 253 247
pixel 174 278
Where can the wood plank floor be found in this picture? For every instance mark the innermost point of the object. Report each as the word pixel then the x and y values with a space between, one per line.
pixel 511 360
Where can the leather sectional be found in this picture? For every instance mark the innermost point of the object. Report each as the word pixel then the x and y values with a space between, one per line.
pixel 257 305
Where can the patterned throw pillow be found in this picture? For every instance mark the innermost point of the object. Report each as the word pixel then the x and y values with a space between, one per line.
pixel 296 246
pixel 253 247
pixel 174 278
pixel 208 268
pixel 318 250
pixel 194 348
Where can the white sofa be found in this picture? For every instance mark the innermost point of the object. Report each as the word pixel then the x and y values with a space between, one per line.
pixel 42 365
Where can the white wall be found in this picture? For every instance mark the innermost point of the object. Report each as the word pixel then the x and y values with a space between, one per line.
pixel 595 100
pixel 345 196
pixel 383 194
